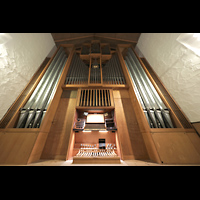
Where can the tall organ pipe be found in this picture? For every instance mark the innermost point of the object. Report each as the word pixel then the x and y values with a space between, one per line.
pixel 33 112
pixel 156 112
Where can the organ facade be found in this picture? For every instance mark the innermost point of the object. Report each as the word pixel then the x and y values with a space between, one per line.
pixel 96 103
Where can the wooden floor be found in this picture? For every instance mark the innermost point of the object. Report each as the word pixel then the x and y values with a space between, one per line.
pixel 123 163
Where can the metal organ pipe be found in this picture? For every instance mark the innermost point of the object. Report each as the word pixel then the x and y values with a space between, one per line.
pixel 33 112
pixel 156 112
pixel 112 72
pixel 78 71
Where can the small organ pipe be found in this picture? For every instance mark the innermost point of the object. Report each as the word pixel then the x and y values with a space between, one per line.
pixel 78 71
pixel 112 72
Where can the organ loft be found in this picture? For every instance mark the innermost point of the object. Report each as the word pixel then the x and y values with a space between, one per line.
pixel 96 102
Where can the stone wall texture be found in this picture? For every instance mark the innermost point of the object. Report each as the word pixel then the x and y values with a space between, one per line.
pixel 177 67
pixel 22 56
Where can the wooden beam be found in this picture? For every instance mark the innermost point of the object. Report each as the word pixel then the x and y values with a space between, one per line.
pixel 72 38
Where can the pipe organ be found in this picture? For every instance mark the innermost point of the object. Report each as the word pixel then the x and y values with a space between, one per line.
pixel 78 71
pixel 96 104
pixel 156 112
pixel 32 113
pixel 112 72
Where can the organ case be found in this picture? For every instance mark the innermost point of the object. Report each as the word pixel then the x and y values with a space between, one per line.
pixel 37 142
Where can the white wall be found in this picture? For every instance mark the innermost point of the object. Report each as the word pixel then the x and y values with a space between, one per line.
pixel 23 54
pixel 177 67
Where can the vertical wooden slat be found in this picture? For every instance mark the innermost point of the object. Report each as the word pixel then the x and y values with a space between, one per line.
pixel 106 102
pixel 80 102
pixel 109 98
pixel 94 100
pixel 84 99
pixel 102 97
pixel 99 98
pixel 91 97
pixel 95 97
pixel 87 98
pixel 86 94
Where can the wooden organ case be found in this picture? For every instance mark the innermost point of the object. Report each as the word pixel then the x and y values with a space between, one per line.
pixel 96 98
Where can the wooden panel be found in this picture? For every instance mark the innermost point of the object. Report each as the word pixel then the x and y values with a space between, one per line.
pixel 109 86
pixel 134 134
pixel 111 98
pixel 137 141
pixel 38 147
pixel 16 145
pixel 121 94
pixel 70 36
pixel 100 160
pixel 176 148
pixel 55 133
pixel 129 37
pixel 197 127
pixel 58 138
pixel 194 138
pixel 93 137
pixel 122 130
